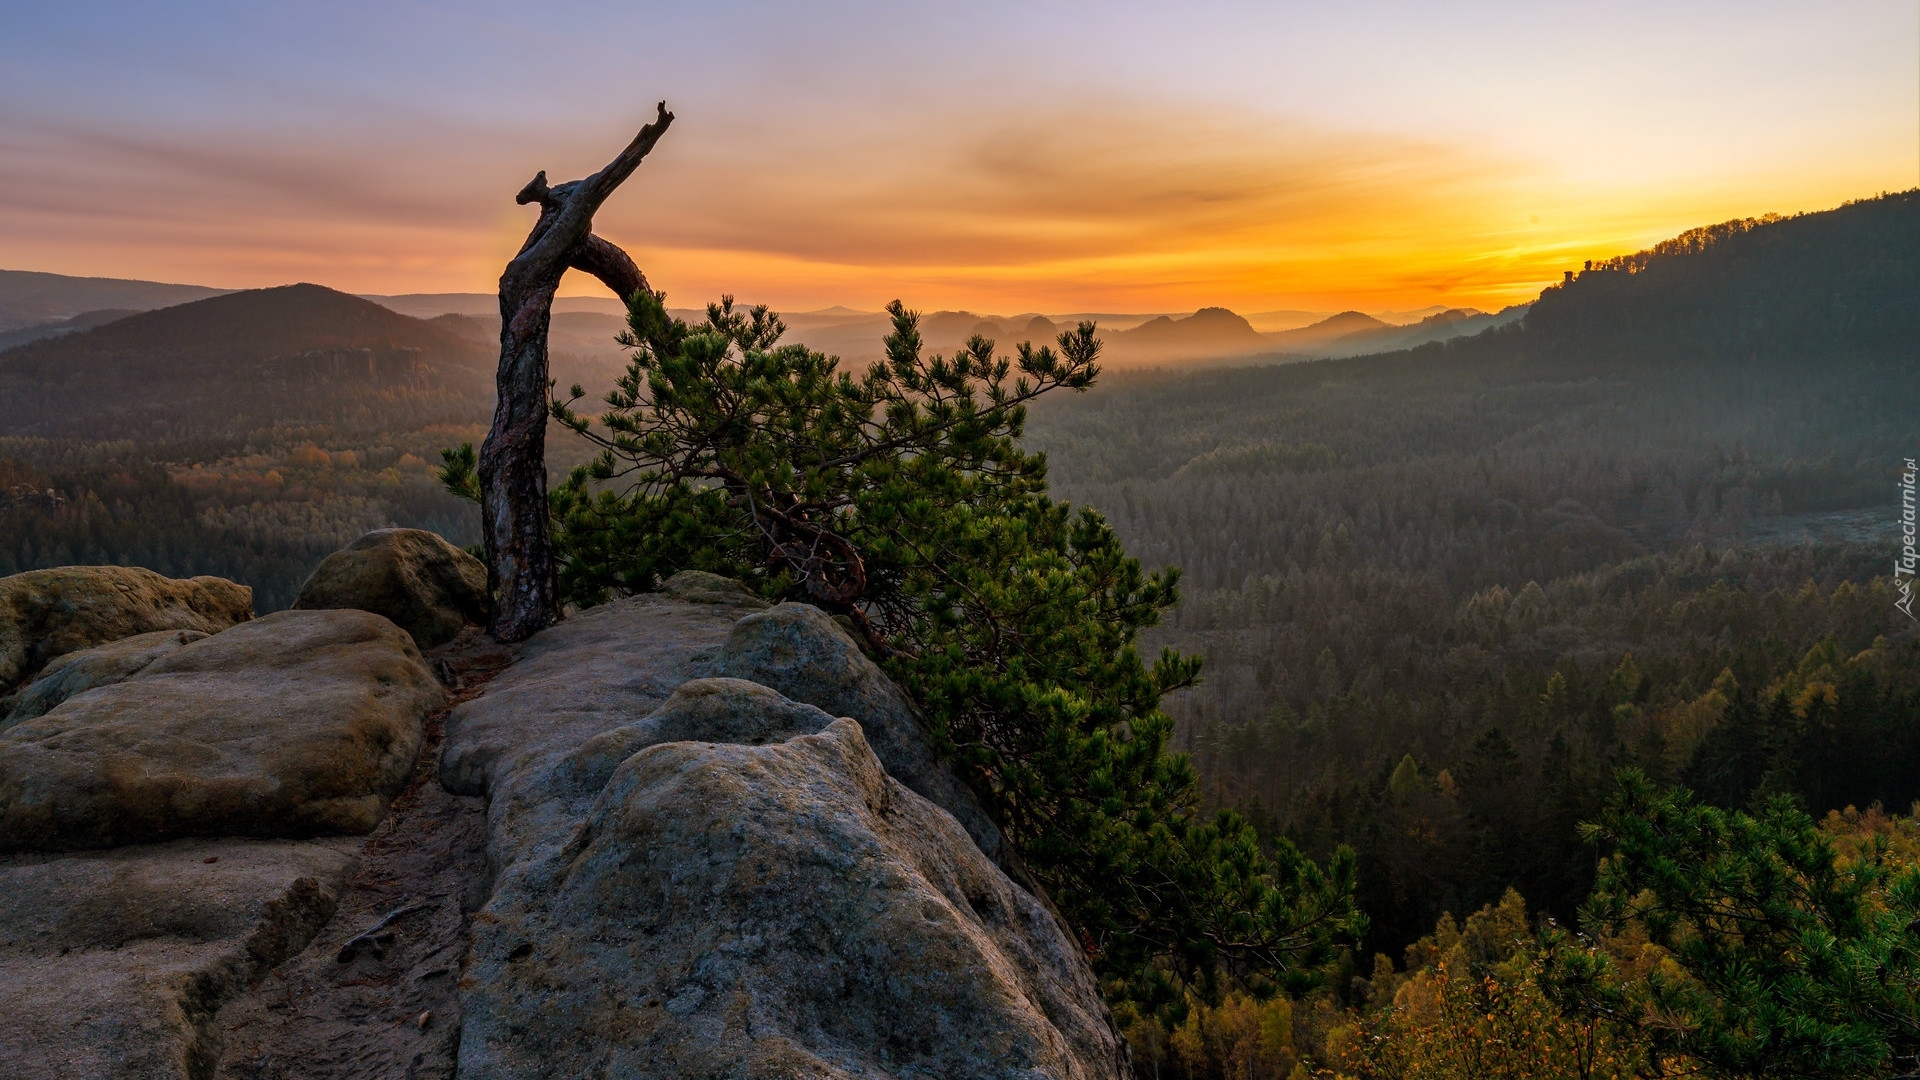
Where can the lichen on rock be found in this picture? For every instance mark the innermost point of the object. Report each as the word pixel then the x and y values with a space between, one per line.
pixel 776 910
pixel 801 652
pixel 695 874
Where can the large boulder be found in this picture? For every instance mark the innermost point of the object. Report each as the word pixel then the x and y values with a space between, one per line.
pixel 694 874
pixel 102 665
pixel 114 962
pixel 784 909
pixel 700 587
pixel 801 652
pixel 47 613
pixel 300 723
pixel 428 587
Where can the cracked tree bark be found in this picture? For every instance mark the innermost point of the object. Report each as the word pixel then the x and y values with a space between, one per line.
pixel 513 459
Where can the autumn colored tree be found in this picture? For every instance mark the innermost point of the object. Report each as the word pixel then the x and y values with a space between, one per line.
pixel 1785 961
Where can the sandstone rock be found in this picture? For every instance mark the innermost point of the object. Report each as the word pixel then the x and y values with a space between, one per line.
pixel 603 668
pixel 47 613
pixel 784 887
pixel 700 710
pixel 776 910
pixel 700 587
pixel 801 652
pixel 77 672
pixel 114 962
pixel 300 723
pixel 428 587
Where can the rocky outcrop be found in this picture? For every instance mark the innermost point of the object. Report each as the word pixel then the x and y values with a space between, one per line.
pixel 203 757
pixel 597 670
pixel 801 652
pixel 717 843
pixel 78 672
pixel 114 962
pixel 775 910
pixel 300 723
pixel 48 613
pixel 695 874
pixel 425 585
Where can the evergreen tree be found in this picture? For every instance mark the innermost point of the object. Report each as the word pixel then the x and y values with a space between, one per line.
pixel 900 499
pixel 1781 960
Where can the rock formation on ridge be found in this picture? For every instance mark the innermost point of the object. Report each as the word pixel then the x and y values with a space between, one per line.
pixel 717 842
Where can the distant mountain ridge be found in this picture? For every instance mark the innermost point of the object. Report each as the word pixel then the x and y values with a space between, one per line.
pixel 297 351
pixel 28 297
pixel 585 327
pixel 35 306
pixel 86 320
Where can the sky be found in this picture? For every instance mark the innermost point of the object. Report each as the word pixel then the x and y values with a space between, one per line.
pixel 998 157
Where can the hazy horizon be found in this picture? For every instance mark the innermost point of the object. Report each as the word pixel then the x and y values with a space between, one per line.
pixel 586 294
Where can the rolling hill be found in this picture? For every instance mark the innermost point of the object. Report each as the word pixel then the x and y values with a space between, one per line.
pixel 86 320
pixel 260 357
pixel 1352 333
pixel 1845 279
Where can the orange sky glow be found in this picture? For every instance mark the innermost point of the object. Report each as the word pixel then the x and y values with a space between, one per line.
pixel 1256 185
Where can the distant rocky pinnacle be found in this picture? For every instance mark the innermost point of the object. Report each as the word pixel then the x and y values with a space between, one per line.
pixel 681 834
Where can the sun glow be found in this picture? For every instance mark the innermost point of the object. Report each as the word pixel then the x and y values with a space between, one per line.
pixel 1263 157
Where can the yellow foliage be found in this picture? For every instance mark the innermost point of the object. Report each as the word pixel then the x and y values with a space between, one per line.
pixel 1241 1038
pixel 1873 833
pixel 1470 1008
pixel 1687 724
pixel 309 457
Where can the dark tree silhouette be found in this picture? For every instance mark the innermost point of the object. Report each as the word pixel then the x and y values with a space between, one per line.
pixel 513 460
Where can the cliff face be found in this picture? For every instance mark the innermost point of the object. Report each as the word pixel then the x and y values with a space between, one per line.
pixel 716 842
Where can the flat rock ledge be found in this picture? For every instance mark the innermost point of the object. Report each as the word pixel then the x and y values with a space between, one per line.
pixel 115 962
pixel 220 771
pixel 78 672
pixel 695 874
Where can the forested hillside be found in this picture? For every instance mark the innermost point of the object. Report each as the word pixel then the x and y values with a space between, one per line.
pixel 1442 594
pixel 247 435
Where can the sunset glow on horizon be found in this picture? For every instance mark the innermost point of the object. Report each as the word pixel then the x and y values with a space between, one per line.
pixel 1008 158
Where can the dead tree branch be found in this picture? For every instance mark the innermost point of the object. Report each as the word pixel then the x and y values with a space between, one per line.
pixel 513 460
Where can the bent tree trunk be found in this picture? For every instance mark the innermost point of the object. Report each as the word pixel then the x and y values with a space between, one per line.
pixel 513 459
